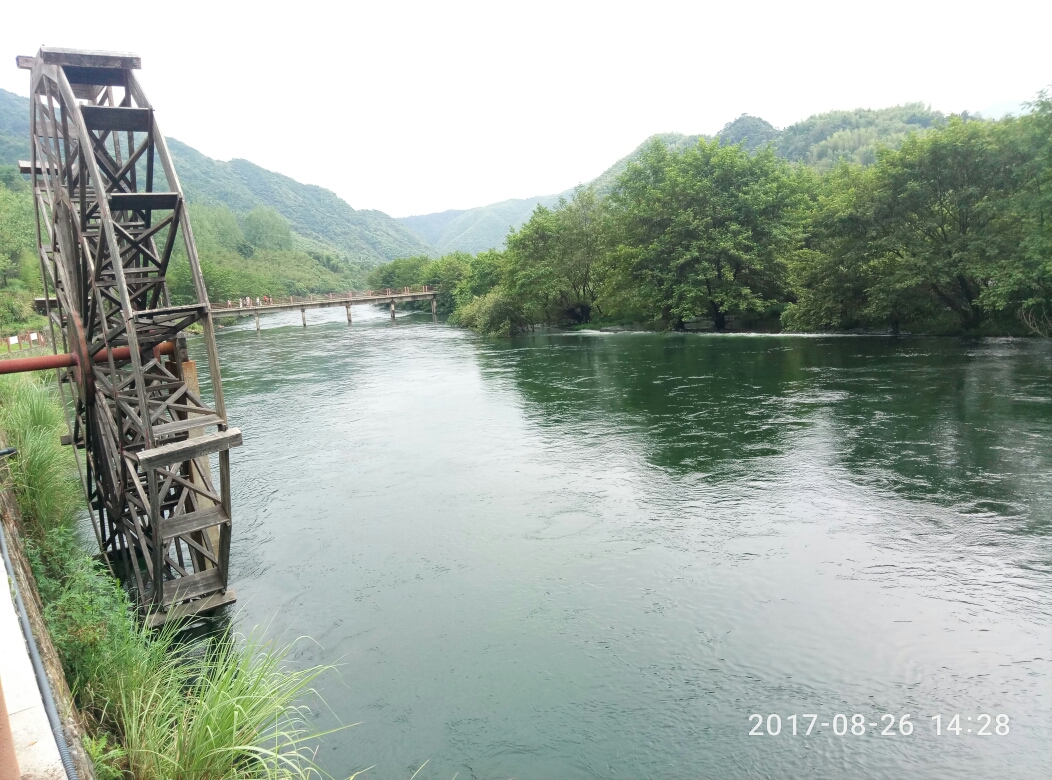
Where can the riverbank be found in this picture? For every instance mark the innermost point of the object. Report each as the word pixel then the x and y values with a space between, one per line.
pixel 157 705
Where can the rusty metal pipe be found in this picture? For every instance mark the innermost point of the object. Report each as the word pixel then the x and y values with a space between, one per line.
pixel 68 360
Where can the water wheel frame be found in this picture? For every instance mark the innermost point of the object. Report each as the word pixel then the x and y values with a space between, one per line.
pixel 108 224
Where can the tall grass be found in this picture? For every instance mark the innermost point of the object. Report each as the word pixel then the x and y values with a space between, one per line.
pixel 43 475
pixel 160 707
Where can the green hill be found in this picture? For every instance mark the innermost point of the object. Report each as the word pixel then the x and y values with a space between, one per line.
pixel 317 216
pixel 365 236
pixel 821 140
pixel 14 128
pixel 475 230
pixel 485 227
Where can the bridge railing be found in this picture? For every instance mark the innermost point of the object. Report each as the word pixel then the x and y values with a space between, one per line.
pixel 292 300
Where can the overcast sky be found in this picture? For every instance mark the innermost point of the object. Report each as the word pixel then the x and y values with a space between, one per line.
pixel 418 107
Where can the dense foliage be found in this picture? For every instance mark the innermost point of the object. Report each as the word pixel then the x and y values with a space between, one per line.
pixel 950 232
pixel 821 141
pixel 19 267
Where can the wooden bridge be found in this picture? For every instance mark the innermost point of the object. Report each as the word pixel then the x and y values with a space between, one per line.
pixel 390 296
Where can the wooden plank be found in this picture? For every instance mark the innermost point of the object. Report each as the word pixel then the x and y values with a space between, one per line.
pixel 116 118
pixel 169 311
pixel 192 586
pixel 191 448
pixel 88 92
pixel 24 62
pixel 142 201
pixel 181 426
pixel 184 611
pixel 181 525
pixel 88 58
pixel 24 166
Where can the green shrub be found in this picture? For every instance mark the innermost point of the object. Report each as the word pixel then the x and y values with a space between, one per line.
pixel 492 314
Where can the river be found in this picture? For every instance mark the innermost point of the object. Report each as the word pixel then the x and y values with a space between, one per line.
pixel 593 555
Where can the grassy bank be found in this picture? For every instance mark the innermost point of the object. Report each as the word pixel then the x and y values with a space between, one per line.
pixel 158 706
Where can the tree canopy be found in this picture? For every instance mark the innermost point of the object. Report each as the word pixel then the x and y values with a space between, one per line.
pixel 949 230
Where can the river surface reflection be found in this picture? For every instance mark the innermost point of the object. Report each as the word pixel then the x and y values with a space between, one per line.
pixel 596 555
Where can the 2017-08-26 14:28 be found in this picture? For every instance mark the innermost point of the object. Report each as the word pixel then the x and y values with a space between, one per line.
pixel 859 725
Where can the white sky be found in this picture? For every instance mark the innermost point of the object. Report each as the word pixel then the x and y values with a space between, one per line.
pixel 421 107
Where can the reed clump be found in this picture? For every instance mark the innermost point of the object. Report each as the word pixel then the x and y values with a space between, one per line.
pixel 160 706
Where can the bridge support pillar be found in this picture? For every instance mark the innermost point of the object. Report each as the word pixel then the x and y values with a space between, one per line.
pixel 434 308
pixel 257 322
pixel 303 316
pixel 392 311
pixel 348 307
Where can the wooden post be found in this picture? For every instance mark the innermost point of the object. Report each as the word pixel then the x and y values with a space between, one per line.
pixel 257 322
pixel 189 372
pixel 434 307
pixel 348 307
pixel 303 316
pixel 392 311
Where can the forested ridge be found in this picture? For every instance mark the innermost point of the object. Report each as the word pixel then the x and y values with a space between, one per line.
pixel 890 219
pixel 949 232
pixel 822 141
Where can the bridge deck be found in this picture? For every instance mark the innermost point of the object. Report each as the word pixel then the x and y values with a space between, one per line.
pixel 220 309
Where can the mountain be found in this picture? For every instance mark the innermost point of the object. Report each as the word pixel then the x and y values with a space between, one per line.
pixel 369 237
pixel 365 237
pixel 478 229
pixel 486 227
pixel 14 128
pixel 822 141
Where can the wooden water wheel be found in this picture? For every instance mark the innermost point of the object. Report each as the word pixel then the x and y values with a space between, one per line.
pixel 111 217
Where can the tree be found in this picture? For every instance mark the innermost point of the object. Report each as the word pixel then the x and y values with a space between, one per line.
pixel 555 261
pixel 841 277
pixel 403 272
pixel 484 272
pixel 444 275
pixel 750 131
pixel 265 228
pixel 939 216
pixel 707 231
pixel 1023 281
pixel 17 231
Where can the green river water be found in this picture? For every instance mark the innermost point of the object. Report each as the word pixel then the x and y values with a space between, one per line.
pixel 593 555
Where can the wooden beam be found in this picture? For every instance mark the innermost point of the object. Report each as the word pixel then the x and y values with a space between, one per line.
pixel 142 201
pixel 191 448
pixel 87 58
pixel 116 118
pixel 184 611
pixel 25 166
